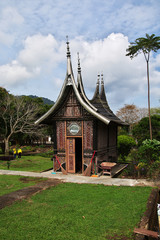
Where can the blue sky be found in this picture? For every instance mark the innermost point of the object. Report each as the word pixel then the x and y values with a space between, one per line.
pixel 33 47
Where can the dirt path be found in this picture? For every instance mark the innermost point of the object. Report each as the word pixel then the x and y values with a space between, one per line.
pixel 10 198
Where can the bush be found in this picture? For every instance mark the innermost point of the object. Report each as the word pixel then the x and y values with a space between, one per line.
pixel 125 144
pixel 141 130
pixel 48 154
pixel 154 170
pixel 149 151
pixel 145 161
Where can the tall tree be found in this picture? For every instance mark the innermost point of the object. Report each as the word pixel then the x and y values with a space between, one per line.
pixel 17 116
pixel 145 45
pixel 131 114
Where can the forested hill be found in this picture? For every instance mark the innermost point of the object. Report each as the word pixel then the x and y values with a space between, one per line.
pixel 45 100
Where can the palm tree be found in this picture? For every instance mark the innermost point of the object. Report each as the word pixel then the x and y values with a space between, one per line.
pixel 145 45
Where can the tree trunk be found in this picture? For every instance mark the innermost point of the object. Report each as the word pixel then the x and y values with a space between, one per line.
pixel 6 142
pixel 149 112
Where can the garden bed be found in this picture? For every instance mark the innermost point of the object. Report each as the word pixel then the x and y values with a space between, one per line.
pixel 6 157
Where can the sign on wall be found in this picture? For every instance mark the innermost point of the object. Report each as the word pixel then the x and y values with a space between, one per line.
pixel 74 128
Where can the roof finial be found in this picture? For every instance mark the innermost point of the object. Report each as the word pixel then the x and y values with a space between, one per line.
pixel 79 67
pixel 102 82
pixel 68 51
pixel 98 78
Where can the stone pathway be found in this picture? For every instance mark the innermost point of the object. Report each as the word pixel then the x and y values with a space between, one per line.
pixel 76 178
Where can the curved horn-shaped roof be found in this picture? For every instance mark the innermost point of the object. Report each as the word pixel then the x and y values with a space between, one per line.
pixel 69 80
pixel 80 86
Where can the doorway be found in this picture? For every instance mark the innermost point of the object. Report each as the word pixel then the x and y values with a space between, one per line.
pixel 74 155
pixel 78 155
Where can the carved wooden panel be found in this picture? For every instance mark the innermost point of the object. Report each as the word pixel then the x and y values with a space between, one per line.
pixel 71 155
pixel 69 111
pixel 60 125
pixel 77 111
pixel 70 107
pixel 88 135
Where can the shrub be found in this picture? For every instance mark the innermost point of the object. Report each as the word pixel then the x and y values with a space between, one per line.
pixel 145 161
pixel 125 144
pixel 141 130
pixel 149 151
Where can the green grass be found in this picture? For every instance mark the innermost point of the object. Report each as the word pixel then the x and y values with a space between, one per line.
pixel 28 163
pixel 76 211
pixel 12 183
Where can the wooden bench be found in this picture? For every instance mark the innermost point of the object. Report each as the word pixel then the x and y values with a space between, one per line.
pixel 106 167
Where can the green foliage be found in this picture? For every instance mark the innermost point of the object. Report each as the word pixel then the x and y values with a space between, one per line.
pixel 123 130
pixel 154 169
pixel 141 130
pixel 149 151
pixel 145 45
pixel 145 161
pixel 45 100
pixel 28 148
pixel 76 211
pixel 48 154
pixel 125 144
pixel 155 111
pixel 3 93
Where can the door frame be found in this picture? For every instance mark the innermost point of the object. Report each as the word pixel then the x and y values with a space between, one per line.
pixel 70 154
pixel 67 154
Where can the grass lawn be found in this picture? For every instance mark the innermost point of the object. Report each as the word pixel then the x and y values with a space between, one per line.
pixel 28 163
pixel 12 183
pixel 76 211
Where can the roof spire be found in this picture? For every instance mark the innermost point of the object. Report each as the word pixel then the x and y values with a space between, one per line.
pixel 80 86
pixel 70 77
pixel 68 50
pixel 79 67
pixel 96 94
pixel 98 79
pixel 102 93
pixel 102 82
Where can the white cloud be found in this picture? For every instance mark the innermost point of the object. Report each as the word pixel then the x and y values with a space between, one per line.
pixel 41 67
pixel 13 74
pixel 10 20
pixel 36 62
pixel 39 50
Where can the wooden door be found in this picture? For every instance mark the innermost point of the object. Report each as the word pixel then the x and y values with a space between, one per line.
pixel 71 155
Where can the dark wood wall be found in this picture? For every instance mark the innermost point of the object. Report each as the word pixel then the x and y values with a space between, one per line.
pixel 95 134
pixel 107 142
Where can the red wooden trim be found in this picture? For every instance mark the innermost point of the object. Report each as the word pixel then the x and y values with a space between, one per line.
pixel 58 160
pixel 93 156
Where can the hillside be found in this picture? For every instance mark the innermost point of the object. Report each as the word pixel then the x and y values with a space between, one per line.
pixel 45 100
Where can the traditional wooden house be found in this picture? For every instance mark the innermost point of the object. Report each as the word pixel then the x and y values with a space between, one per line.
pixel 80 125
